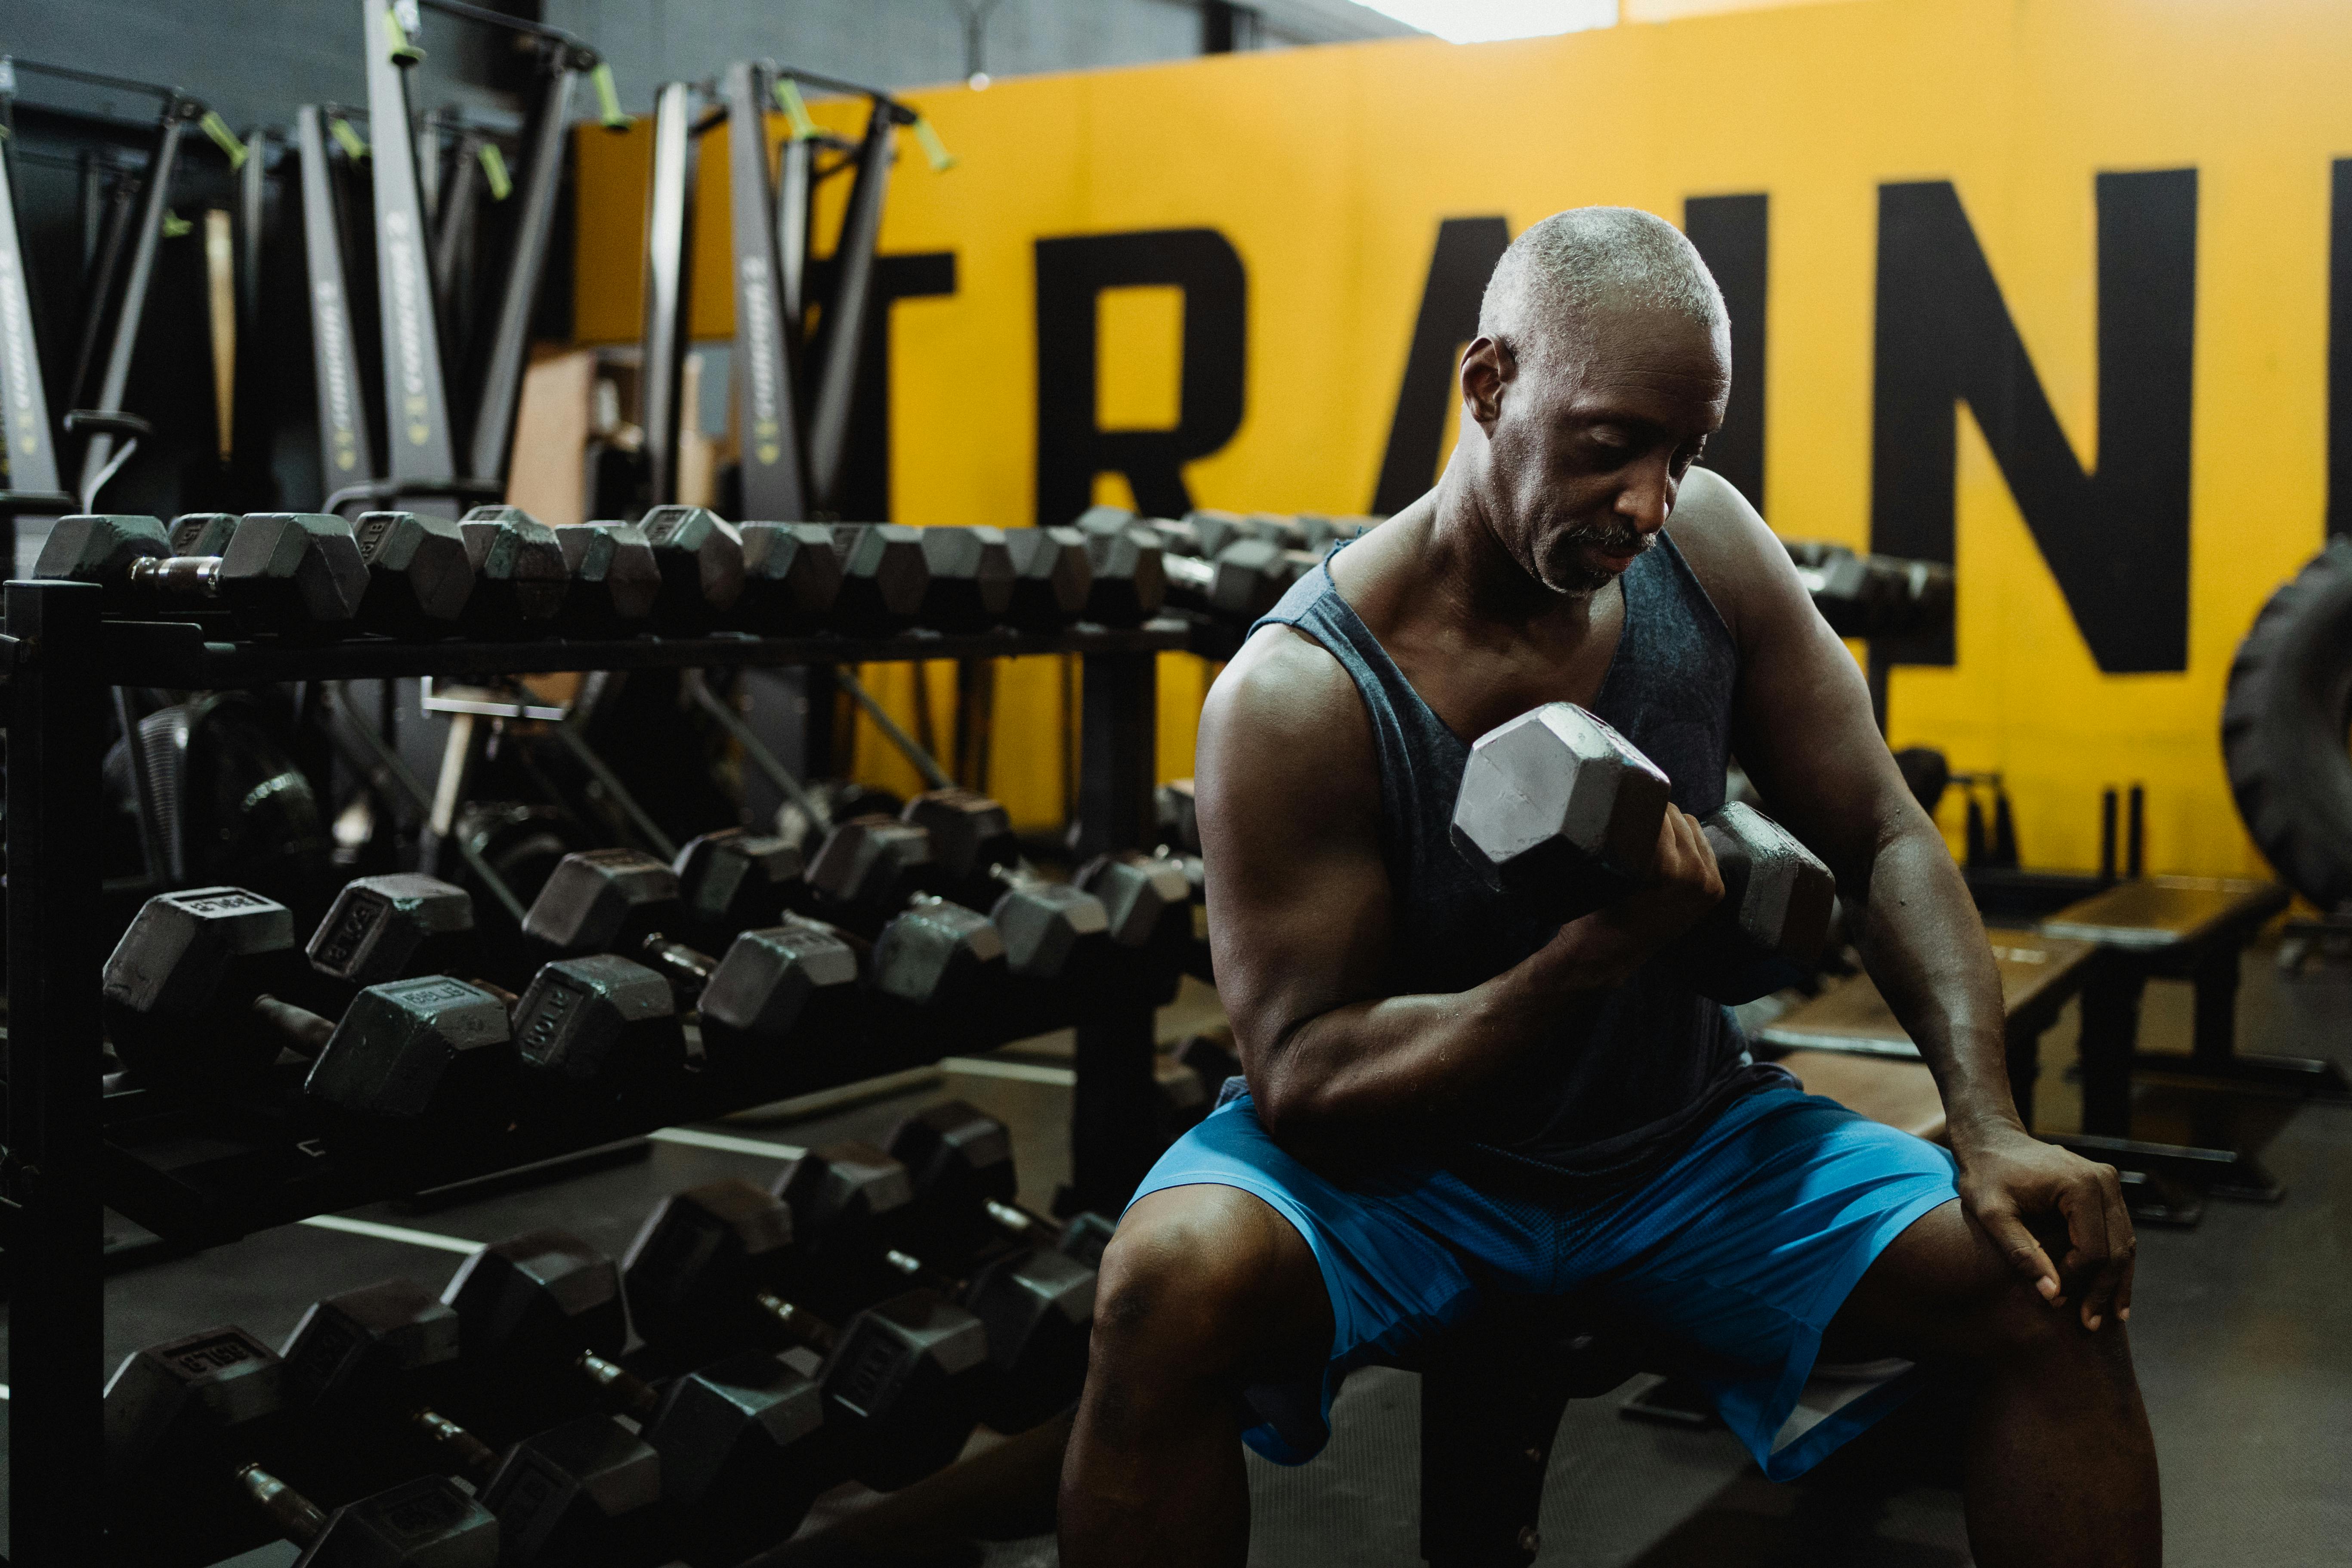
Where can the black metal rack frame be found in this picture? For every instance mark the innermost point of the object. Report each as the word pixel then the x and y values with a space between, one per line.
pixel 59 657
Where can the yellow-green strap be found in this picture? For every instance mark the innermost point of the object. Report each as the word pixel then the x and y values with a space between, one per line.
pixel 795 108
pixel 494 169
pixel 403 51
pixel 346 138
pixel 608 99
pixel 174 225
pixel 213 126
pixel 933 148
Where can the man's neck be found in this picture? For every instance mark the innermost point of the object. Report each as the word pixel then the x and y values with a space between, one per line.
pixel 1471 579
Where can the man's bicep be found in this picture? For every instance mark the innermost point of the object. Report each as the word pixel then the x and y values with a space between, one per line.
pixel 1289 799
pixel 1802 725
pixel 1806 734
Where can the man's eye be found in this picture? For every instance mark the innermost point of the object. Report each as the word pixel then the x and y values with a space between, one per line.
pixel 1610 436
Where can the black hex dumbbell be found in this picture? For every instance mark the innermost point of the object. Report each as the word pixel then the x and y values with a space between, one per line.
pixel 419 579
pixel 967 1193
pixel 394 927
pixel 1557 808
pixel 1240 582
pixel 868 865
pixel 293 573
pixel 604 900
pixel 972 578
pixel 941 965
pixel 734 879
pixel 886 577
pixel 191 997
pixel 780 982
pixel 742 1448
pixel 519 579
pixel 701 558
pixel 189 1426
pixel 855 1223
pixel 426 1522
pixel 1129 579
pixel 1053 578
pixel 1149 901
pixel 179 988
pixel 714 1266
pixel 1052 932
pixel 791 578
pixel 615 582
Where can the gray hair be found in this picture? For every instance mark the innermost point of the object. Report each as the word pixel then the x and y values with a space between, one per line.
pixel 1556 274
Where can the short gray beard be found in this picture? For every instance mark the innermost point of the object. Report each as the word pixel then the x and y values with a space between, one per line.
pixel 1602 538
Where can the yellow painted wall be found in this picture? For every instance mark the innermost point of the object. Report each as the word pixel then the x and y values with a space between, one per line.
pixel 1329 169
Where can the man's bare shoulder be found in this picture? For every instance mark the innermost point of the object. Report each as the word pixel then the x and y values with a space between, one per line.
pixel 1736 557
pixel 1286 719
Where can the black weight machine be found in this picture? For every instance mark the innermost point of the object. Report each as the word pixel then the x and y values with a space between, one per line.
pixel 439 397
pixel 135 205
pixel 793 390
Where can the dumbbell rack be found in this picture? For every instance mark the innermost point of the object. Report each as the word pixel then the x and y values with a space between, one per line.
pixel 59 657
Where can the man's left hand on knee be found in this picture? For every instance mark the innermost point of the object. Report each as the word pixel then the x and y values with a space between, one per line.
pixel 2013 1184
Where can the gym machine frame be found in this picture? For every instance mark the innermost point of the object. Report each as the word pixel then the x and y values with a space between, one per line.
pixel 424 432
pixel 58 658
pixel 95 393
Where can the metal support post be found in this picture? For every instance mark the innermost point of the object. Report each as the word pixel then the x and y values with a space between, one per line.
pixel 669 249
pixel 416 394
pixel 542 179
pixel 1113 1118
pixel 24 404
pixel 155 197
pixel 844 313
pixel 55 736
pixel 767 401
pixel 344 450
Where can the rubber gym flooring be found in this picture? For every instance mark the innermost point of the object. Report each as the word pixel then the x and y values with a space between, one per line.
pixel 2242 1329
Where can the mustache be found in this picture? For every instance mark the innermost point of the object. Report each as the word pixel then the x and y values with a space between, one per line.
pixel 1610 539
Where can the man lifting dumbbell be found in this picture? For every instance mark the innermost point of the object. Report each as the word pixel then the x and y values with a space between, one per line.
pixel 1419 1046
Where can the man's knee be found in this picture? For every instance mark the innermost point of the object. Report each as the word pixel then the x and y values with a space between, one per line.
pixel 1942 1290
pixel 1207 1277
pixel 2011 1328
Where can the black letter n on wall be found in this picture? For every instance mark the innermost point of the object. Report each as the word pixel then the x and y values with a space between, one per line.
pixel 2116 539
pixel 1071 448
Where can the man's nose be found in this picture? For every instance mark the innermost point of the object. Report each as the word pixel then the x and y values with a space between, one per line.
pixel 1648 496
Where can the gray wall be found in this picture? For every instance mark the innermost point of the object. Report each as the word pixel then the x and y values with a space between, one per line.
pixel 254 60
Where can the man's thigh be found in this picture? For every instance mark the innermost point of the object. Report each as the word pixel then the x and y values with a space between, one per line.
pixel 1935 1293
pixel 1743 1249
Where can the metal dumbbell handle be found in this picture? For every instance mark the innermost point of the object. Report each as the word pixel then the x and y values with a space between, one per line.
pixel 305 1031
pixel 192 577
pixel 691 969
pixel 635 1396
pixel 476 1457
pixel 293 1513
pixel 801 1323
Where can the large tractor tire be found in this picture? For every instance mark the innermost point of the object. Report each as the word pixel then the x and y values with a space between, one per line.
pixel 2284 729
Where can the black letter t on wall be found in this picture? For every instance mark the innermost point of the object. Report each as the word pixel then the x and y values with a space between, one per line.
pixel 1071 448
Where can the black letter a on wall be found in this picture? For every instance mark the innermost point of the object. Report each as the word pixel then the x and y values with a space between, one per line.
pixel 2116 538
pixel 1071 448
pixel 1467 249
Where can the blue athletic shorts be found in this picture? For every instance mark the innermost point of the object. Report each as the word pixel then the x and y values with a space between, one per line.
pixel 1743 1249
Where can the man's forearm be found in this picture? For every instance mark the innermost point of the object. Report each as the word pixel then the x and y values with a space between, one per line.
pixel 1408 1068
pixel 1925 947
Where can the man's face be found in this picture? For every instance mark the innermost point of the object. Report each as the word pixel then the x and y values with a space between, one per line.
pixel 1585 458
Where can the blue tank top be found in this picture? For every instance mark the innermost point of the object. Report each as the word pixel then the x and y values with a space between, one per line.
pixel 1634 1079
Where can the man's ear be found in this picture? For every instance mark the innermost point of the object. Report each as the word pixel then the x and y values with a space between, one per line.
pixel 1487 365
